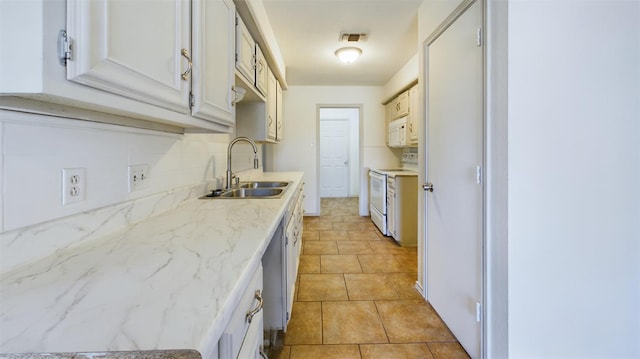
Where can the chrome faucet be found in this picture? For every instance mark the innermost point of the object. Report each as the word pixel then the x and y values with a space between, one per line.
pixel 230 175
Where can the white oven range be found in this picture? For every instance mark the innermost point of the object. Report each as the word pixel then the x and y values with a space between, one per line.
pixel 378 199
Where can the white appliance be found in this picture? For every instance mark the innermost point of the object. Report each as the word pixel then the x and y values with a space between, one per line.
pixel 398 132
pixel 378 199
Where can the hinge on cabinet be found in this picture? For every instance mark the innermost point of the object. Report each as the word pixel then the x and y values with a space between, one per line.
pixel 287 315
pixel 479 36
pixel 192 100
pixel 64 47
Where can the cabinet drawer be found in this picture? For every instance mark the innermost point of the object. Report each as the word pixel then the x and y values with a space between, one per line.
pixel 231 341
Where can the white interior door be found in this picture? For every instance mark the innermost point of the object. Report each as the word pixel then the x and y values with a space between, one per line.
pixel 454 154
pixel 334 158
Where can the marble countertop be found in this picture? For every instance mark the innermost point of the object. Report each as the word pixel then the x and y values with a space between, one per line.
pixel 168 283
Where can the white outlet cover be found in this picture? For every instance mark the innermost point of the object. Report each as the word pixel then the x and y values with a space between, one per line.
pixel 73 185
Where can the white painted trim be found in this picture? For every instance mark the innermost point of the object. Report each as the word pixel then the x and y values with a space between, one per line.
pixel 363 190
pixel 496 326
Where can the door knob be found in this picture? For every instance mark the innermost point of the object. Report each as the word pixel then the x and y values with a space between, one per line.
pixel 428 186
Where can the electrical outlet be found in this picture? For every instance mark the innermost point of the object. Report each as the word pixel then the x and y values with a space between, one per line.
pixel 138 177
pixel 73 185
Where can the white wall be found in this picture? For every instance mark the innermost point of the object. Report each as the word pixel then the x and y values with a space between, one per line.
pixel 574 175
pixel 405 76
pixel 297 152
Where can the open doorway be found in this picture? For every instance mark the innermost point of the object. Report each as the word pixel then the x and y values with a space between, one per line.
pixel 339 151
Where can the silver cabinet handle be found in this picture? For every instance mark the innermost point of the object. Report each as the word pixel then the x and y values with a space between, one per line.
pixel 258 308
pixel 428 186
pixel 185 75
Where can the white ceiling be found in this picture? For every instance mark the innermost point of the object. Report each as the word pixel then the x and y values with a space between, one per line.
pixel 308 31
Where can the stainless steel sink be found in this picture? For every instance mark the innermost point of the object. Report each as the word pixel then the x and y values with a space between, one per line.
pixel 263 184
pixel 252 189
pixel 252 193
pixel 246 193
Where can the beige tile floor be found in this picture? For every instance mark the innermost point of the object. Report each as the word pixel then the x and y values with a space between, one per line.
pixel 356 297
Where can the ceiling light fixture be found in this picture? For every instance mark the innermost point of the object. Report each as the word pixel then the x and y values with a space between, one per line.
pixel 348 54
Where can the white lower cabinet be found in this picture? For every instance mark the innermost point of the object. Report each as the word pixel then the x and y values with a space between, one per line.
pixel 280 263
pixel 243 336
pixel 391 206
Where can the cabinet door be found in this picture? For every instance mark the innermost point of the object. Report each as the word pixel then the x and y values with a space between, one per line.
pixel 240 330
pixel 413 115
pixel 291 267
pixel 213 60
pixel 391 212
pixel 253 341
pixel 271 104
pixel 279 111
pixel 402 105
pixel 245 51
pixel 145 63
pixel 262 72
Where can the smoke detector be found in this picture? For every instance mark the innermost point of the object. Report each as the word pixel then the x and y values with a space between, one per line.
pixel 357 37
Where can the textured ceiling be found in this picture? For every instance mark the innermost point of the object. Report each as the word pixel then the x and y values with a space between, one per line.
pixel 308 31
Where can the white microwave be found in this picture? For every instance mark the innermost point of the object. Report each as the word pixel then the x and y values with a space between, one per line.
pixel 398 132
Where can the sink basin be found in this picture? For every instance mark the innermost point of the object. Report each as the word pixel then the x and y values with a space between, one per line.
pixel 252 193
pixel 263 184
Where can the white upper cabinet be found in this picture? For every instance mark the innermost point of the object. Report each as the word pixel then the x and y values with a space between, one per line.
pixel 262 71
pixel 213 39
pixel 400 105
pixel 413 116
pixel 272 112
pixel 146 57
pixel 135 59
pixel 245 51
pixel 279 112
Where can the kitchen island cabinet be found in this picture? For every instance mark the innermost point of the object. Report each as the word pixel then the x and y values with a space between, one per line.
pixel 170 282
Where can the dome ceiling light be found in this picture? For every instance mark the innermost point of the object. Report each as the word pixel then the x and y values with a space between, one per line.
pixel 348 54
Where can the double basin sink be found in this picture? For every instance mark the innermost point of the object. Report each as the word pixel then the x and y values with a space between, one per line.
pixel 255 189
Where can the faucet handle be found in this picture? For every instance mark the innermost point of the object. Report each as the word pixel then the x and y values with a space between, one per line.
pixel 237 180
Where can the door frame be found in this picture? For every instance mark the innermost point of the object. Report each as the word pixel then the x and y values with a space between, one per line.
pixel 348 122
pixel 360 108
